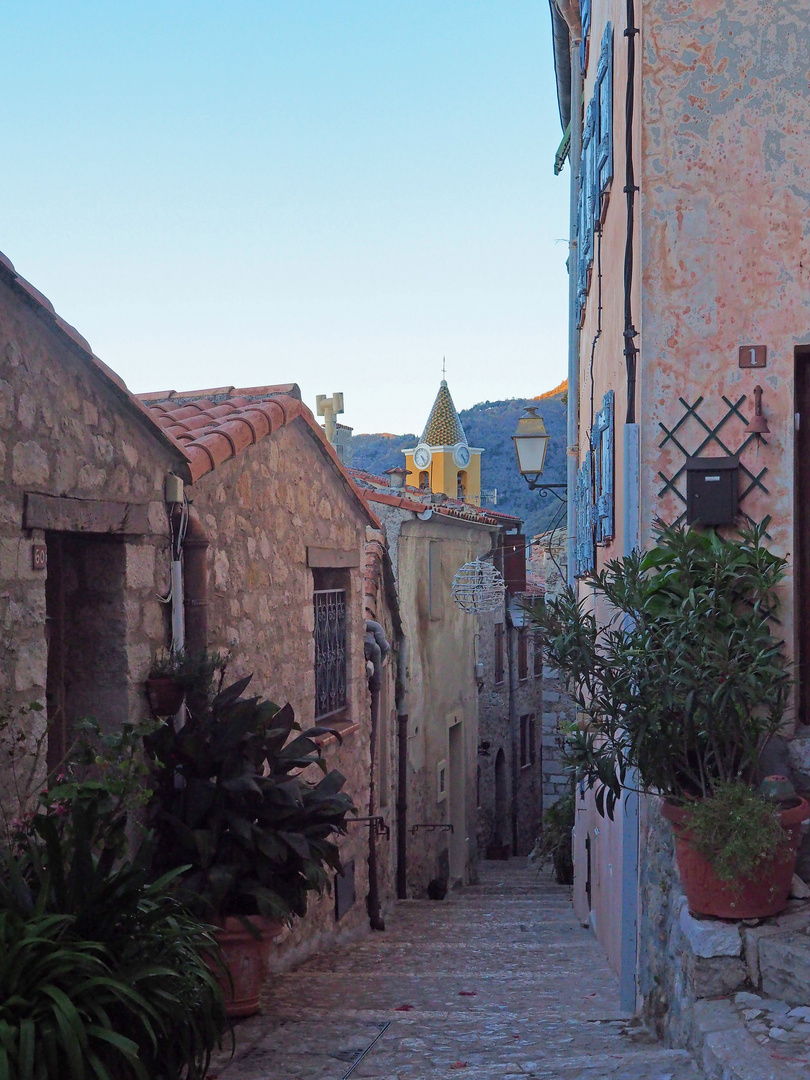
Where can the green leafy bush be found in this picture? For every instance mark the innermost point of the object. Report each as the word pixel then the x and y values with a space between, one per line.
pixel 677 674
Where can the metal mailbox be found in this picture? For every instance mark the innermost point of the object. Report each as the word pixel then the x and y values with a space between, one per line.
pixel 711 490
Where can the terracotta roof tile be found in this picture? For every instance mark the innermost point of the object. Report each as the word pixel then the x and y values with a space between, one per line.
pixel 213 426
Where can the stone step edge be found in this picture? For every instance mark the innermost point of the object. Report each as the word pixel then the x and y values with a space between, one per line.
pixel 726 1050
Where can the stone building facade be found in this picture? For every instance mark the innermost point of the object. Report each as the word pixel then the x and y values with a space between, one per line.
pixel 287 530
pixel 86 542
pixel 84 531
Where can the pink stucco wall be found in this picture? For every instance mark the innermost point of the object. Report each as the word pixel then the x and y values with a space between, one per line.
pixel 721 260
pixel 725 234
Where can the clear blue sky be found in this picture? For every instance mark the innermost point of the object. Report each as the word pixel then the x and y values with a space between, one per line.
pixel 332 192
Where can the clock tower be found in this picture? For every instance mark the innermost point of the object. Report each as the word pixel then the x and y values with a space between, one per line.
pixel 443 461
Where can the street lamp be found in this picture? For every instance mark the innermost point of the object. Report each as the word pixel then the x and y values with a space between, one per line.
pixel 531 442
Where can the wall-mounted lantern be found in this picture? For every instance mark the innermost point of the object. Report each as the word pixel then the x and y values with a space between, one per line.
pixel 758 425
pixel 531 443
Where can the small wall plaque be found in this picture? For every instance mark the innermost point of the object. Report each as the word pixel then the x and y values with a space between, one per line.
pixel 39 557
pixel 753 356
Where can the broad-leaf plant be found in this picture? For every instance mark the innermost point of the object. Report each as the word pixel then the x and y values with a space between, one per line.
pixel 235 804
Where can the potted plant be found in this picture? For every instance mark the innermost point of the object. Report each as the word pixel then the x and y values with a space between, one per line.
pixel 680 682
pixel 174 674
pixel 556 839
pixel 231 805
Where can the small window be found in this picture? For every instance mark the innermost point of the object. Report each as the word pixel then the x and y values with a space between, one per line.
pixel 461 485
pixel 523 654
pixel 441 781
pixel 424 481
pixel 527 746
pixel 499 652
pixel 435 584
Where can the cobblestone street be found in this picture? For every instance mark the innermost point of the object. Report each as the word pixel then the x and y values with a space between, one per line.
pixel 498 980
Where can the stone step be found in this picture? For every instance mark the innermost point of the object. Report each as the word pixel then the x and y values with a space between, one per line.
pixel 784 964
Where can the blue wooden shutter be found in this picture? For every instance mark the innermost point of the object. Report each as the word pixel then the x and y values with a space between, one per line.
pixel 583 520
pixel 585 15
pixel 587 204
pixel 604 95
pixel 602 446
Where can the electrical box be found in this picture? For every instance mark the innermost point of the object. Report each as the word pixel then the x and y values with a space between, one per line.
pixel 173 488
pixel 711 490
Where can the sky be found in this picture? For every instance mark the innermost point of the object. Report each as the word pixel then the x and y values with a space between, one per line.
pixel 337 193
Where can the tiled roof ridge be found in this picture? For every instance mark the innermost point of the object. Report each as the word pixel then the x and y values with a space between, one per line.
pixel 444 427
pixel 461 511
pixel 45 310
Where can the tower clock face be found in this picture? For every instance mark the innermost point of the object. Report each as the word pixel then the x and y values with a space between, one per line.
pixel 422 456
pixel 461 455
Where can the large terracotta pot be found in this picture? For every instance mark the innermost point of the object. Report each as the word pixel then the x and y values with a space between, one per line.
pixel 706 894
pixel 245 957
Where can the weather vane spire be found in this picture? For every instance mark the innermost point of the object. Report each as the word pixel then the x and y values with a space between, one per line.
pixel 444 369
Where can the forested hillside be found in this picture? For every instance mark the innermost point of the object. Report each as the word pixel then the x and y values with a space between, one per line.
pixel 490 425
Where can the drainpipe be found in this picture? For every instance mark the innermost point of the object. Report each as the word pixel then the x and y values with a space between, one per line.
pixel 510 660
pixel 179 522
pixel 195 583
pixel 376 648
pixel 402 770
pixel 574 157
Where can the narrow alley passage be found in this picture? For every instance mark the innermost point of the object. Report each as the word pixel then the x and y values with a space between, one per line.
pixel 497 980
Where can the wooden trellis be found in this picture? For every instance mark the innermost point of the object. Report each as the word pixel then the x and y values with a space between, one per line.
pixel 712 435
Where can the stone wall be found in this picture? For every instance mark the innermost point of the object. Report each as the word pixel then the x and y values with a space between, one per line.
pixel 70 431
pixel 263 511
pixel 500 708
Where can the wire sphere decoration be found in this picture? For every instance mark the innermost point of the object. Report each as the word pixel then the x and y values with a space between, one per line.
pixel 478 587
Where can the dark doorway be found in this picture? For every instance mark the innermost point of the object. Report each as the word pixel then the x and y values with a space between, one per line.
pixel 86 631
pixel 802 536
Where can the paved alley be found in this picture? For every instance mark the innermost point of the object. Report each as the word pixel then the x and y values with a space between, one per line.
pixel 498 980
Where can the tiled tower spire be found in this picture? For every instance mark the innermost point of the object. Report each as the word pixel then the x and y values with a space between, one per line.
pixel 444 426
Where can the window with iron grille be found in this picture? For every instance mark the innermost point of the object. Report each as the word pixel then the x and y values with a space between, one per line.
pixel 330 652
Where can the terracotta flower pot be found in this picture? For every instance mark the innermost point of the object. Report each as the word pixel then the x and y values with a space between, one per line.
pixel 245 957
pixel 757 898
pixel 165 695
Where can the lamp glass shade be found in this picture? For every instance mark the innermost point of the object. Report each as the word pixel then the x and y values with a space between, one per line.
pixel 531 442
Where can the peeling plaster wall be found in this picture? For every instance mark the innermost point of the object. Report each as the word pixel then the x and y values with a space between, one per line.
pixel 725 234
pixel 721 260
pixel 441 690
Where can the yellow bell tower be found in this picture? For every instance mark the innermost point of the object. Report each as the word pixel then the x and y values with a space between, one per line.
pixel 443 461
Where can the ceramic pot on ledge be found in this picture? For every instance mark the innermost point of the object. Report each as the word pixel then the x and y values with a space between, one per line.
pixel 757 898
